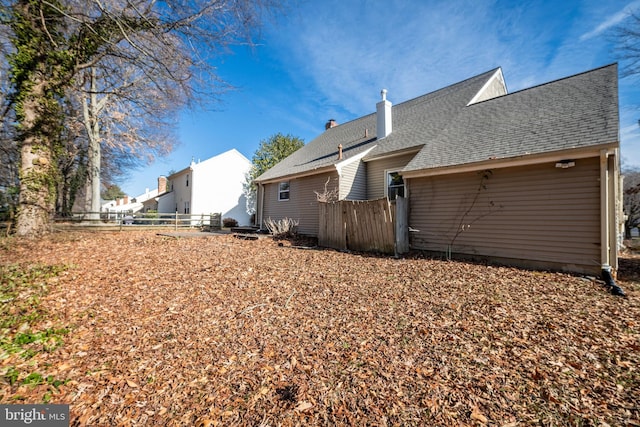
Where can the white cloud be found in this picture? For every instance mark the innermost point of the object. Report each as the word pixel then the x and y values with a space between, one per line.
pixel 339 56
pixel 351 50
pixel 346 51
pixel 611 21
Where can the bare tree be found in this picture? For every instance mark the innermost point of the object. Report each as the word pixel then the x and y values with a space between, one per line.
pixel 627 36
pixel 631 189
pixel 129 57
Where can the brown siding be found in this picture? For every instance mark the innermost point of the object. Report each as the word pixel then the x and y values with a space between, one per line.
pixel 376 173
pixel 539 213
pixel 302 204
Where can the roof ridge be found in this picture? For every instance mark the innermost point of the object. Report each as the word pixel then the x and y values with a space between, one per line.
pixel 613 64
pixel 491 72
pixel 423 95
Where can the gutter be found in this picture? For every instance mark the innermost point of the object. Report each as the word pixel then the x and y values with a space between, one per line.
pixel 505 162
pixel 281 178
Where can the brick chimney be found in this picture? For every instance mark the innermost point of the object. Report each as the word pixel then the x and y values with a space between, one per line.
pixel 384 121
pixel 126 200
pixel 330 124
pixel 162 184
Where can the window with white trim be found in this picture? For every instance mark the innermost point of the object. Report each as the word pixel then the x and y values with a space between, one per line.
pixel 395 185
pixel 187 207
pixel 283 191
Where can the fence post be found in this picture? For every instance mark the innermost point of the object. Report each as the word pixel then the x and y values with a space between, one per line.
pixel 402 225
pixel 176 226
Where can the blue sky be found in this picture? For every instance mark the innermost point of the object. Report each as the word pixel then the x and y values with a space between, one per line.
pixel 330 59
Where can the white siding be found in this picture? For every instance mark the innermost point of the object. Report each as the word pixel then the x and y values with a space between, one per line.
pixel 181 191
pixel 541 215
pixel 167 203
pixel 217 186
pixel 353 181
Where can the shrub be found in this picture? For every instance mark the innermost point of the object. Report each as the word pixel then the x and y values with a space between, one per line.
pixel 283 228
pixel 229 222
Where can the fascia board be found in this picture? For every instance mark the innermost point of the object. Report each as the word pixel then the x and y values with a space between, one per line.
pixel 524 160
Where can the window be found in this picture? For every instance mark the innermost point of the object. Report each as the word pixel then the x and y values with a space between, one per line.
pixel 187 181
pixel 186 207
pixel 395 185
pixel 283 191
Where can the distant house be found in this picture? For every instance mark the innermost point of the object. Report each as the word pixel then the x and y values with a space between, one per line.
pixel 131 205
pixel 529 178
pixel 211 186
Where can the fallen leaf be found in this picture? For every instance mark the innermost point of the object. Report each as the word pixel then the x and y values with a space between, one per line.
pixel 477 415
pixel 303 406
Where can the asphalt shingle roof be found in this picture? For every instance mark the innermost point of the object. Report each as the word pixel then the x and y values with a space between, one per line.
pixel 574 112
pixel 413 121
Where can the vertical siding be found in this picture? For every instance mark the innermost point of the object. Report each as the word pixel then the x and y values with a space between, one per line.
pixel 376 173
pixel 537 213
pixel 302 204
pixel 353 181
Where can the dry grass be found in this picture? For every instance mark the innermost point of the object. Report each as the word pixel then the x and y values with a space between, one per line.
pixel 221 331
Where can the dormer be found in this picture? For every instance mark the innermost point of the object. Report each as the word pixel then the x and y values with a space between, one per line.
pixel 493 88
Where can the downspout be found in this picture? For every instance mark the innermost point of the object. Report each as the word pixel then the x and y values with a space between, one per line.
pixel 192 173
pixel 261 205
pixel 611 284
pixel 607 214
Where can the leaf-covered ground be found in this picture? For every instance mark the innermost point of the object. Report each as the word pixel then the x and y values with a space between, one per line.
pixel 221 331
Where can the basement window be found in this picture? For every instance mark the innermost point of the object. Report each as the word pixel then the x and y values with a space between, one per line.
pixel 283 191
pixel 395 185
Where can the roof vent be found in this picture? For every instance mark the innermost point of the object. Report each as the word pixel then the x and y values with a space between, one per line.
pixel 384 122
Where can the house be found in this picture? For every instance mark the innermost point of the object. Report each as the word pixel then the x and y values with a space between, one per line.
pixel 210 186
pixel 529 178
pixel 130 205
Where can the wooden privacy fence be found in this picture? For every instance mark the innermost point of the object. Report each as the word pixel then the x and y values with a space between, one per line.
pixel 362 225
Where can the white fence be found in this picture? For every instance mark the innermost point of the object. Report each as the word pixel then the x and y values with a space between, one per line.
pixel 176 220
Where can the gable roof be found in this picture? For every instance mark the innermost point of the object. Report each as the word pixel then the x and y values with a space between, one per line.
pixel 571 113
pixel 411 130
pixel 446 130
pixel 211 162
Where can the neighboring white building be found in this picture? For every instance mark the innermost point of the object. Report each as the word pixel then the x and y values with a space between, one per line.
pixel 128 204
pixel 210 186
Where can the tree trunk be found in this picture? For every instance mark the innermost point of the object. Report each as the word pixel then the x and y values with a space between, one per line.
pixel 94 177
pixel 91 111
pixel 36 204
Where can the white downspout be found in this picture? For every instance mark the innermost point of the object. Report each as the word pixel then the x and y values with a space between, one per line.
pixel 261 196
pixel 608 240
pixel 604 210
pixel 613 212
